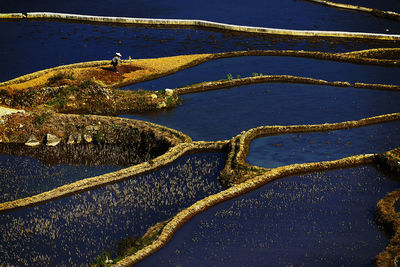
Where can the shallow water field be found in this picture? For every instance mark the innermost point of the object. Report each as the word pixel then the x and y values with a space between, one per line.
pixel 25 176
pixel 76 229
pixel 242 67
pixel 310 220
pixel 222 114
pixel 274 151
pixel 29 171
pixel 318 219
pixel 275 13
pixel 37 45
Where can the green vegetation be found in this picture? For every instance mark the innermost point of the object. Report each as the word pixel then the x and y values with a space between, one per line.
pixel 98 137
pixel 41 119
pixel 229 76
pixel 3 92
pixel 86 84
pixel 57 78
pixel 25 98
pixel 60 99
pixel 170 100
pixel 131 245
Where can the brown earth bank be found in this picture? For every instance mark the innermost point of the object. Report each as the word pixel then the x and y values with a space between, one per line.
pixel 17 128
pixel 129 71
pixel 88 87
pixel 238 170
pixel 138 70
pixel 66 96
pixel 387 215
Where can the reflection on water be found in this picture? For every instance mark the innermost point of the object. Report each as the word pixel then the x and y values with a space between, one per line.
pixel 311 220
pixel 76 229
pixel 28 171
pixel 26 176
pixel 221 114
pixel 274 151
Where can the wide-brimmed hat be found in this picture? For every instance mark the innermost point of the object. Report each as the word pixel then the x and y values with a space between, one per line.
pixel 118 54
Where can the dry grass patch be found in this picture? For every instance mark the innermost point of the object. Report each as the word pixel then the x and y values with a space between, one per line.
pixel 130 71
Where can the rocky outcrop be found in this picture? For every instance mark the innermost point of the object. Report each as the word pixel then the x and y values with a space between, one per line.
pixel 32 141
pixel 52 140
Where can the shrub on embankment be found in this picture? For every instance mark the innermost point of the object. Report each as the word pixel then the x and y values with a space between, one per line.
pixel 62 94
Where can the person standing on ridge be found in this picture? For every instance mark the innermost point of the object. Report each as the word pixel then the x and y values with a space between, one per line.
pixel 114 62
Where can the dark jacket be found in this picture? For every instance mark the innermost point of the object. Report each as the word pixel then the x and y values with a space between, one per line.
pixel 115 61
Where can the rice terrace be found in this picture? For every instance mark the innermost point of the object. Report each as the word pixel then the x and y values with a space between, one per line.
pixel 200 133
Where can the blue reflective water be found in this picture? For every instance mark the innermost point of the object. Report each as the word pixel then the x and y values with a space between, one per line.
pixel 274 13
pixel 34 46
pixel 88 223
pixel 312 220
pixel 222 114
pixel 25 176
pixel 274 151
pixel 273 65
pixel 388 5
pixel 74 230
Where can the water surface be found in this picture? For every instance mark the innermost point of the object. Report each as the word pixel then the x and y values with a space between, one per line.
pixel 311 220
pixel 76 229
pixel 274 13
pixel 36 45
pixel 274 151
pixel 222 114
pixel 273 65
pixel 23 176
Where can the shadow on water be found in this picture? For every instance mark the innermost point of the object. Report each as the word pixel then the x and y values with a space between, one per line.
pixel 28 171
pixel 76 229
pixel 312 220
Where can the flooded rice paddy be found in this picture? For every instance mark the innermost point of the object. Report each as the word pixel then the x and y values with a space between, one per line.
pixel 25 176
pixel 309 220
pixel 275 13
pixel 76 229
pixel 245 107
pixel 29 171
pixel 37 45
pixel 273 65
pixel 274 151
pixel 312 220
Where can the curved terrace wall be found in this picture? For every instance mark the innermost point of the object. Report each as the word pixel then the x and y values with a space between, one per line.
pixel 387 216
pixel 236 168
pixel 200 24
pixel 373 56
pixel 236 161
pixel 94 182
pixel 181 218
pixel 110 131
pixel 372 11
pixel 208 24
pixel 258 176
pixel 214 85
